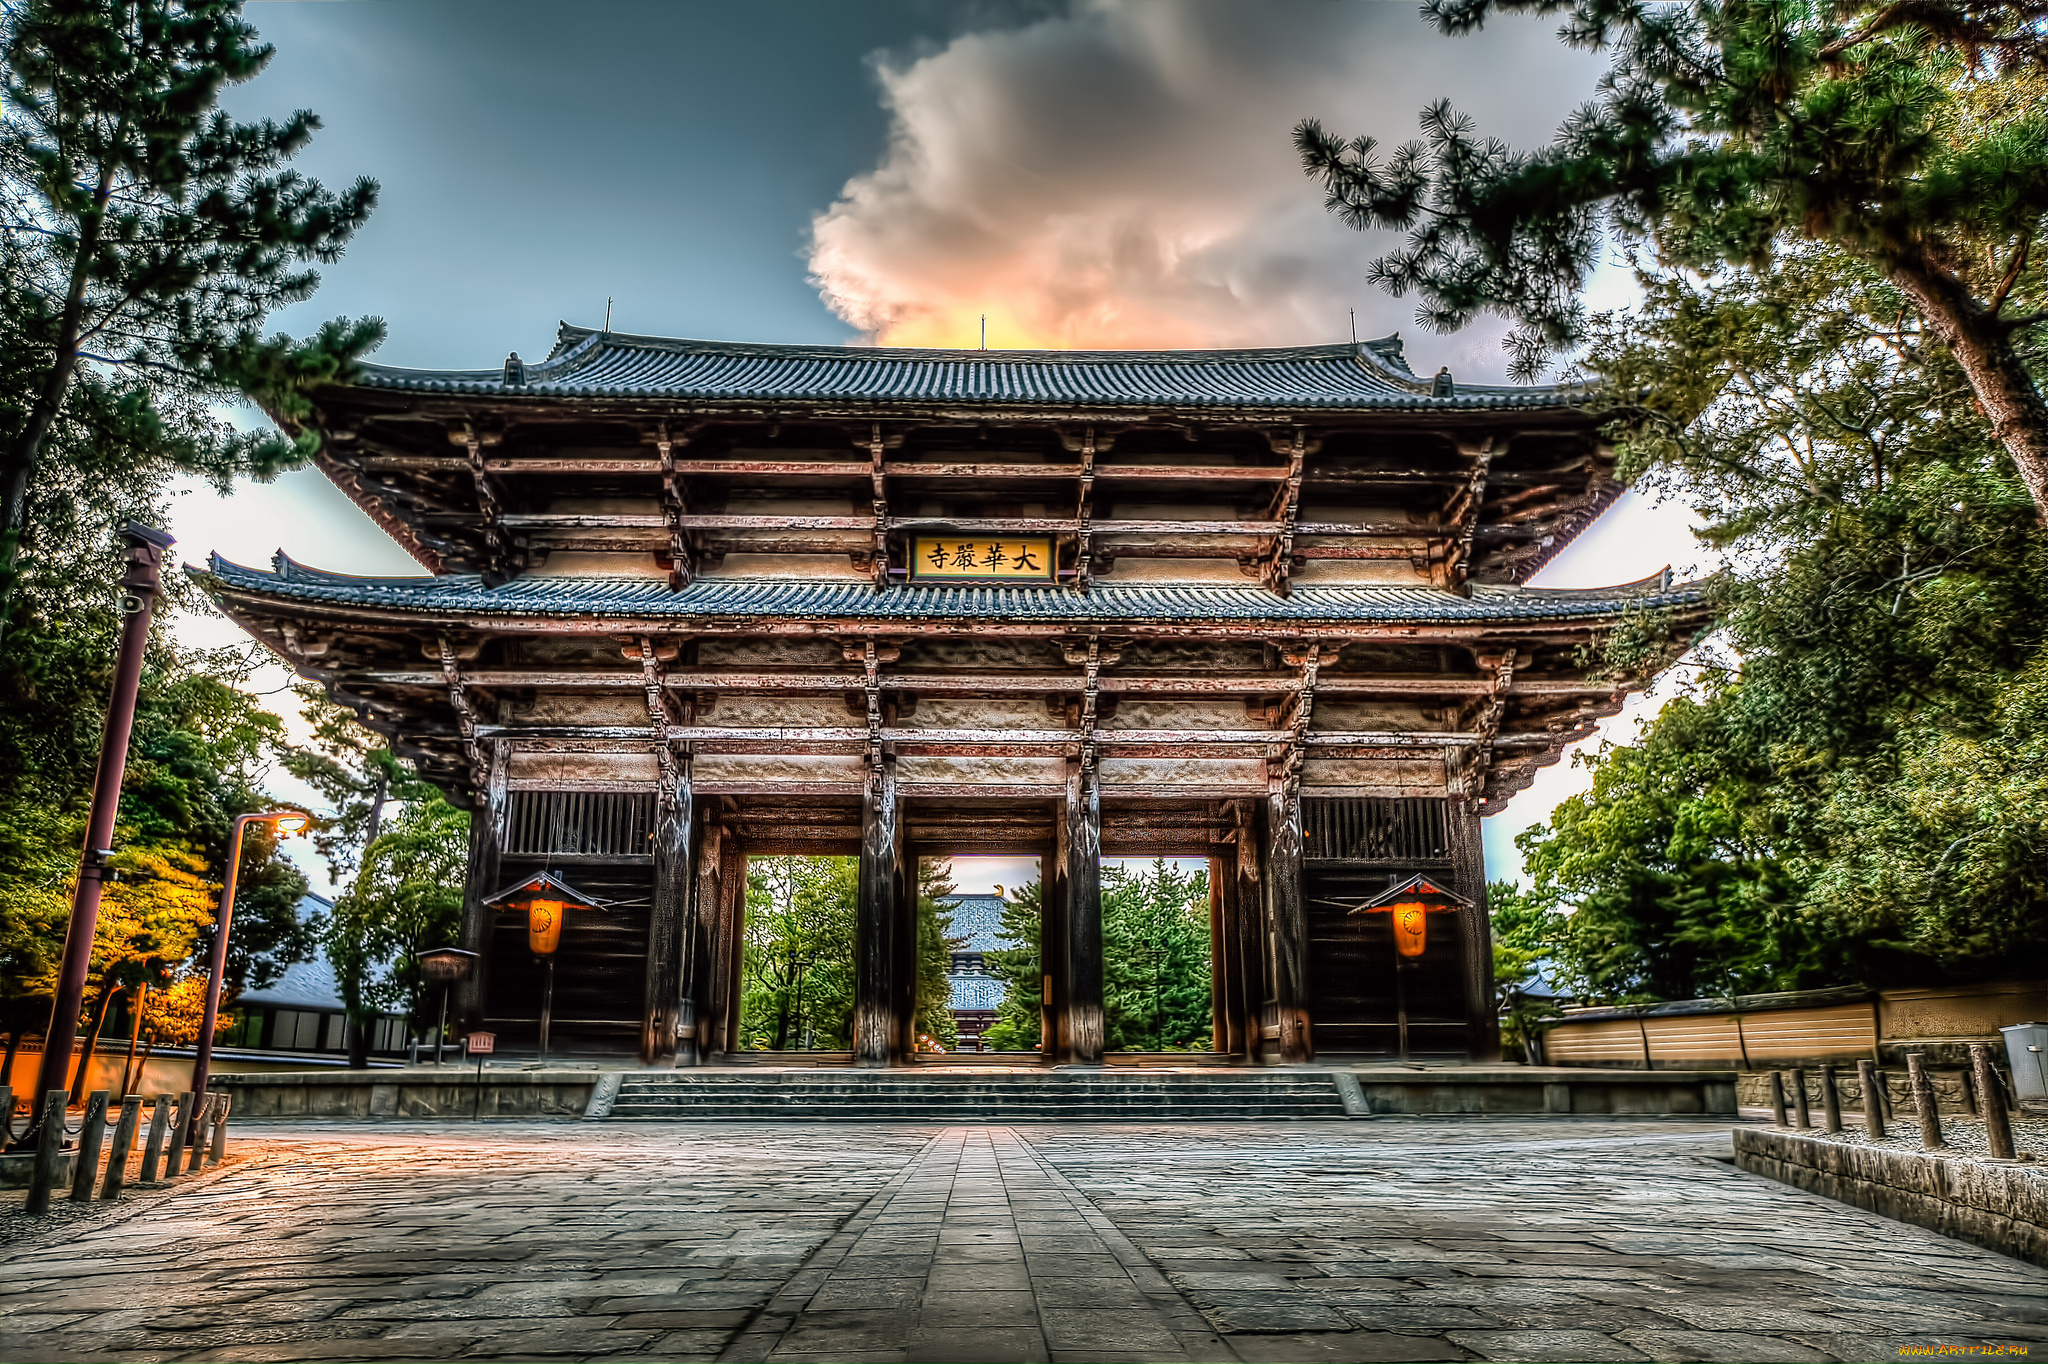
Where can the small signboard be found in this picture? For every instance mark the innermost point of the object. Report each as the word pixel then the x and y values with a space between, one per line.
pixel 482 1043
pixel 1005 559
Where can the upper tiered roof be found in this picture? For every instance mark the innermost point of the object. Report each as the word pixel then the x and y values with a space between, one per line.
pixel 592 364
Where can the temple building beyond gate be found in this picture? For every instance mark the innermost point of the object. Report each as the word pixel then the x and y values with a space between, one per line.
pixel 688 603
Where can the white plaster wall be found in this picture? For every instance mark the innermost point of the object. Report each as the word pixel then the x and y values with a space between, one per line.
pixel 763 769
pixel 639 767
pixel 588 564
pixel 982 771
pixel 1246 772
pixel 810 567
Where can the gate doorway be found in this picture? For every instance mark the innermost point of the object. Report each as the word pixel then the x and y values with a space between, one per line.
pixel 1158 992
pixel 796 958
pixel 1369 999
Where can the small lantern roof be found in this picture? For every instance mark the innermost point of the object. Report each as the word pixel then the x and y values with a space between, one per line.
pixel 1415 887
pixel 542 886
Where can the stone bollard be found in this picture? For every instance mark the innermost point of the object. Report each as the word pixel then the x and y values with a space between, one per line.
pixel 174 1156
pixel 206 1103
pixel 219 1151
pixel 159 1128
pixel 91 1137
pixel 1924 1103
pixel 1778 1098
pixel 1873 1099
pixel 1799 1109
pixel 1991 1102
pixel 49 1154
pixel 124 1146
pixel 6 1116
pixel 1830 1101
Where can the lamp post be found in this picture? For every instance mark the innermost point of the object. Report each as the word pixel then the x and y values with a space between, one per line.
pixel 141 582
pixel 444 966
pixel 217 965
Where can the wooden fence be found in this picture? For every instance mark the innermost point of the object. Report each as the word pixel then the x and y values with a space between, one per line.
pixel 1753 1031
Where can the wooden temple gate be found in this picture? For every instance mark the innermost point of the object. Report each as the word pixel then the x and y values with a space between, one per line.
pixel 693 603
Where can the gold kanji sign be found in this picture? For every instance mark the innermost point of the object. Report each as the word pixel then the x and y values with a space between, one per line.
pixel 947 556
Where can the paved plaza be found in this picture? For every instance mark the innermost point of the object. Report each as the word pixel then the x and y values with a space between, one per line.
pixel 1396 1239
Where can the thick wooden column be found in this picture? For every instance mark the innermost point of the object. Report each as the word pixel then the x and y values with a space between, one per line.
pixel 486 847
pixel 698 1033
pixel 875 917
pixel 1052 945
pixel 1219 963
pixel 671 930
pixel 1468 864
pixel 1083 881
pixel 1247 914
pixel 736 936
pixel 1287 927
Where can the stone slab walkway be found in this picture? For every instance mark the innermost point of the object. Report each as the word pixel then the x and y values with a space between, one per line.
pixel 1384 1240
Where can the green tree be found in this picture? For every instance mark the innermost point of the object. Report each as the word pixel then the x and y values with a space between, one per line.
pixel 1155 952
pixel 1910 137
pixel 407 898
pixel 933 1002
pixel 1019 1018
pixel 148 234
pixel 796 970
pixel 1524 938
pixel 1854 794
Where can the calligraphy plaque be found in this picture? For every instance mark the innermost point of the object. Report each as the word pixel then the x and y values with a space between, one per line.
pixel 1005 559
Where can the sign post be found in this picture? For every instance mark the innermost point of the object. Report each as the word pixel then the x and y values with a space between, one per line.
pixel 480 1044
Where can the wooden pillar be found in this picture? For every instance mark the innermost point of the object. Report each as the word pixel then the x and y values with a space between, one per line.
pixel 1248 980
pixel 733 960
pixel 698 1035
pixel 1468 865
pixel 1287 927
pixel 486 848
pixel 1052 946
pixel 1219 963
pixel 667 1028
pixel 1083 880
pixel 904 970
pixel 875 916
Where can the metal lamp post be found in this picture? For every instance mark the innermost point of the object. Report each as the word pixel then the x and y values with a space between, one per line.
pixel 444 966
pixel 217 962
pixel 141 582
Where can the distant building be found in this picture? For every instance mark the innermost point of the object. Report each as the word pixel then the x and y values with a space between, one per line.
pixel 976 994
pixel 302 1010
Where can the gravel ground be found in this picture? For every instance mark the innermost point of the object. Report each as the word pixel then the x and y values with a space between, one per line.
pixel 1964 1135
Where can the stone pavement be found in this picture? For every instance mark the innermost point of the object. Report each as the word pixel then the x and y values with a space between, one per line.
pixel 1397 1239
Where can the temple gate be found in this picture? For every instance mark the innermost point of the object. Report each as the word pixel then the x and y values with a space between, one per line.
pixel 688 603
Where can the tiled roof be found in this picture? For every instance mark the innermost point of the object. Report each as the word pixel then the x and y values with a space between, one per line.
pixel 590 364
pixel 978 919
pixel 304 984
pixel 976 992
pixel 743 599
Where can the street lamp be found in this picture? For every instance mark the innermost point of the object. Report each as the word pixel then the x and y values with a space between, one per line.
pixel 444 966
pixel 288 822
pixel 544 898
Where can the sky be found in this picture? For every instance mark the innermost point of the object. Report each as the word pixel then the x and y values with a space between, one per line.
pixel 1099 173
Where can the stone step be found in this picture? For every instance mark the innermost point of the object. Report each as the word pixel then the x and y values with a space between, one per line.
pixel 1058 1096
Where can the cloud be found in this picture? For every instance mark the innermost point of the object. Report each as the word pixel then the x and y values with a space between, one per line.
pixel 1121 175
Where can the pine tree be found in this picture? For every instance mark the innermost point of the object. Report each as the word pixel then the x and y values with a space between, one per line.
pixel 148 234
pixel 1911 136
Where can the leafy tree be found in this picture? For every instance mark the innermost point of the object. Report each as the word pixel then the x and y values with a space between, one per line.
pixel 1524 938
pixel 797 959
pixel 1855 793
pixel 1019 1018
pixel 933 1001
pixel 1909 137
pixel 356 772
pixel 148 234
pixel 407 898
pixel 1155 952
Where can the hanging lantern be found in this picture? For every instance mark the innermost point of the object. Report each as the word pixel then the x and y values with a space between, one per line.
pixel 545 899
pixel 1411 903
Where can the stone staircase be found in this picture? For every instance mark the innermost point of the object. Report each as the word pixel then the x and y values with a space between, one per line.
pixel 1025 1096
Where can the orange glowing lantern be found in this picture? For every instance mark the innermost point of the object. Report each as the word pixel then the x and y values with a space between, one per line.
pixel 1411 903
pixel 545 899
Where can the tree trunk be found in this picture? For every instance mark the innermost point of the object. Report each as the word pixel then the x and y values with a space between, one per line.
pixel 92 1042
pixel 1985 350
pixel 358 1044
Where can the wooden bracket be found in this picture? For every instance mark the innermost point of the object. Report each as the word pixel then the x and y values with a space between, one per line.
pixel 1085 510
pixel 682 563
pixel 497 547
pixel 465 716
pixel 876 449
pixel 1462 512
pixel 1286 507
pixel 1078 650
pixel 1296 712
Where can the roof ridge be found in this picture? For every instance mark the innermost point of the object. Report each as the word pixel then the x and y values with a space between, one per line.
pixel 570 337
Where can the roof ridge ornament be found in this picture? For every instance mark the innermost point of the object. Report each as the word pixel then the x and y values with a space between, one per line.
pixel 515 371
